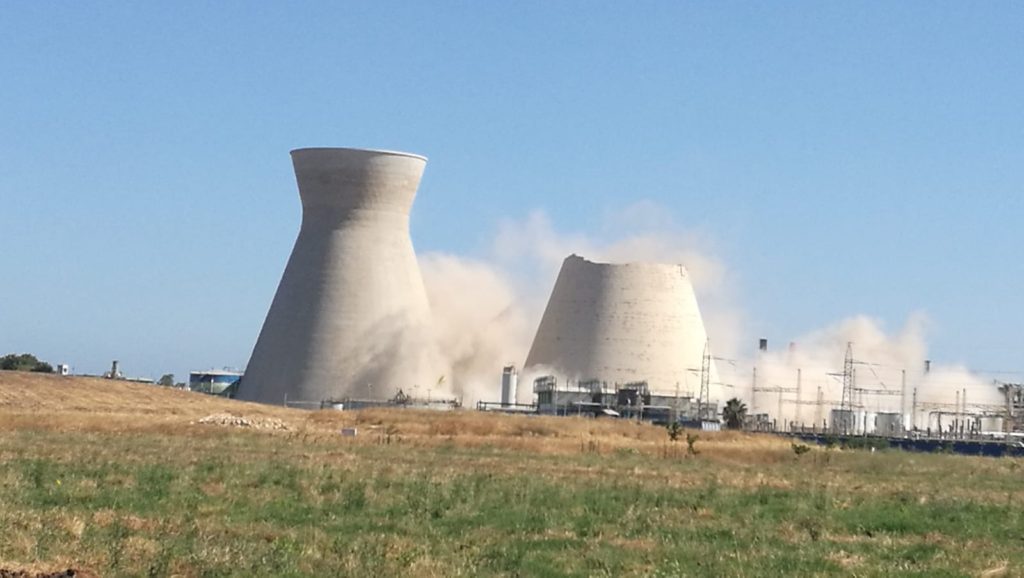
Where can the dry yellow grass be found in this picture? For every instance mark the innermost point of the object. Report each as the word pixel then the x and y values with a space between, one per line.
pixel 40 401
pixel 35 393
pixel 51 402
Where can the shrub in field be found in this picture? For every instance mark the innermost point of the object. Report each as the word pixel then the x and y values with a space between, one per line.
pixel 674 430
pixel 691 440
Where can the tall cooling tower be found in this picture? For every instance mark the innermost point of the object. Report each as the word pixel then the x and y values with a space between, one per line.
pixel 350 317
pixel 623 323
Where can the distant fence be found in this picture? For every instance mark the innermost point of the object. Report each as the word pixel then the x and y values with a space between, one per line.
pixel 991 448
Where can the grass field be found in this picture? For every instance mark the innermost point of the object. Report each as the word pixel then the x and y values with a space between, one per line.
pixel 117 479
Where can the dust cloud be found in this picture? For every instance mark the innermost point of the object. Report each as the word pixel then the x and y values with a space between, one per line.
pixel 486 311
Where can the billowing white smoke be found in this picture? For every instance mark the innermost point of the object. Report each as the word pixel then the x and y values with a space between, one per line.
pixel 481 323
pixel 487 310
pixel 880 361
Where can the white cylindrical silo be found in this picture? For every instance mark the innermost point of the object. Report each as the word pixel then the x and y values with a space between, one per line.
pixel 509 385
pixel 621 323
pixel 350 316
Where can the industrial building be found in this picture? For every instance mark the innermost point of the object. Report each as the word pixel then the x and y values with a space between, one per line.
pixel 401 400
pixel 631 401
pixel 214 381
pixel 1014 395
pixel 350 316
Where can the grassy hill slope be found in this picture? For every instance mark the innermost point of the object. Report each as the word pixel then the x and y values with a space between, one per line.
pixel 117 479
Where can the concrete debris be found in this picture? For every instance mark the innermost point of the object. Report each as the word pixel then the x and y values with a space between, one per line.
pixel 6 573
pixel 227 419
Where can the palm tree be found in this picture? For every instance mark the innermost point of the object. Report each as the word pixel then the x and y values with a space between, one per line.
pixel 733 413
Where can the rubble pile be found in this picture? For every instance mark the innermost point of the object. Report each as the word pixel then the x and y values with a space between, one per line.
pixel 6 573
pixel 230 420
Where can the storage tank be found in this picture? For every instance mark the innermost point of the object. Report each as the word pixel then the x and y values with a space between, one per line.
pixel 621 323
pixel 509 385
pixel 350 316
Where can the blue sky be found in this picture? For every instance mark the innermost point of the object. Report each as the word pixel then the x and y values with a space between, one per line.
pixel 841 158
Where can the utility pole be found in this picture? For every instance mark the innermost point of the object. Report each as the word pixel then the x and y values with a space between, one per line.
pixel 799 387
pixel 705 381
pixel 781 422
pixel 956 414
pixel 849 384
pixel 964 425
pixel 753 391
pixel 903 394
pixel 913 411
pixel 819 406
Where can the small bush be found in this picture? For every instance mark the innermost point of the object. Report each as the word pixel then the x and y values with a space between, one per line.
pixel 691 440
pixel 674 430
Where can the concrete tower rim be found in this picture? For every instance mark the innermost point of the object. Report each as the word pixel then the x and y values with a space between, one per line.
pixel 607 264
pixel 383 152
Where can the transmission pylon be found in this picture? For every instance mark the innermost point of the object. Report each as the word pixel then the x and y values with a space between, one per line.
pixel 849 385
pixel 705 381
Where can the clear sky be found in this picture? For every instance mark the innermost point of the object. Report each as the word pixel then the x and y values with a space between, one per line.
pixel 843 158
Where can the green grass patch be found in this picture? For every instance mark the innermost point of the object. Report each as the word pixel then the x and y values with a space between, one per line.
pixel 270 505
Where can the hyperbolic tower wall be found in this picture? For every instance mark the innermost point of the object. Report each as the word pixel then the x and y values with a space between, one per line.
pixel 623 323
pixel 350 317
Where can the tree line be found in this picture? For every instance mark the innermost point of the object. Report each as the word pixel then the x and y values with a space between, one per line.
pixel 24 362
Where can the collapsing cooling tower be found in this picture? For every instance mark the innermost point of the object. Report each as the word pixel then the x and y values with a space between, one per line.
pixel 350 317
pixel 621 324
